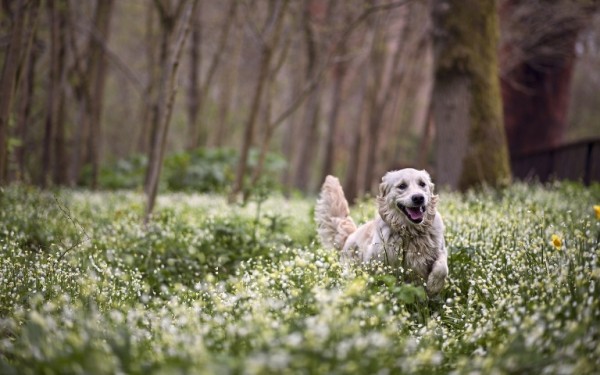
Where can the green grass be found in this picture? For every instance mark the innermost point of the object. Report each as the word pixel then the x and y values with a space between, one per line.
pixel 212 288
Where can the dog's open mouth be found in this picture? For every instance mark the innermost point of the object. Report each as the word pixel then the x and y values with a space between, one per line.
pixel 414 214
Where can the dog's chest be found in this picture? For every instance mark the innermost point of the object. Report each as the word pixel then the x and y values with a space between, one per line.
pixel 418 256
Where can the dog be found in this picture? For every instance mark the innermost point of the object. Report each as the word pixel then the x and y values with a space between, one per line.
pixel 407 231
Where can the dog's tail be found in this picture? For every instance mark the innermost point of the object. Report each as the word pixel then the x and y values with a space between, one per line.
pixel 334 224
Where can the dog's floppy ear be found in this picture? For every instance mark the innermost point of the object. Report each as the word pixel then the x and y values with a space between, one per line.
pixel 428 180
pixel 384 187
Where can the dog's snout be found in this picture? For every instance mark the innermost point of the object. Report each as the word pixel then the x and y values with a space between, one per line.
pixel 418 199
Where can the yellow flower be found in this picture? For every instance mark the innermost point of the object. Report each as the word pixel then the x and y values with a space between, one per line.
pixel 597 211
pixel 556 241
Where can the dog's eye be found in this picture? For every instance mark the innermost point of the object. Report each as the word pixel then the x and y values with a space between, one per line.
pixel 422 184
pixel 402 186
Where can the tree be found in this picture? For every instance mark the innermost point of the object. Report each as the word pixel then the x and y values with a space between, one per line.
pixel 379 95
pixel 22 13
pixel 24 111
pixel 267 38
pixel 198 89
pixel 338 74
pixel 97 78
pixel 356 145
pixel 149 91
pixel 227 88
pixel 537 60
pixel 309 141
pixel 467 107
pixel 53 143
pixel 171 17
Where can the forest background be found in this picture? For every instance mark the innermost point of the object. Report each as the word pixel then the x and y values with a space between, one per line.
pixel 231 95
pixel 239 101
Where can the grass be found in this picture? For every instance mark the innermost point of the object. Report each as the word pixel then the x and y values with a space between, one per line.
pixel 212 288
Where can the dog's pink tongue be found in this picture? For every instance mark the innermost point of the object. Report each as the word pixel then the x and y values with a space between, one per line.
pixel 414 212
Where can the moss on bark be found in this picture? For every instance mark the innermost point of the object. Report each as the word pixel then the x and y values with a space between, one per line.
pixel 468 47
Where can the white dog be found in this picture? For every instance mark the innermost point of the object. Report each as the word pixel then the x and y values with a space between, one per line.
pixel 408 231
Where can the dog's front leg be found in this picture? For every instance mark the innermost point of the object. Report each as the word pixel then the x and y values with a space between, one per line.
pixel 437 276
pixel 373 253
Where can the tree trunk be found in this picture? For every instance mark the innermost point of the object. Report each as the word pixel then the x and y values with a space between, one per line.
pixel 158 102
pixel 251 123
pixel 291 128
pixel 309 141
pixel 264 147
pixel 378 95
pixel 97 76
pixel 452 101
pixel 467 107
pixel 25 107
pixel 166 94
pixel 339 72
pixel 269 43
pixel 146 109
pixel 351 181
pixel 54 112
pixel 226 94
pixel 60 154
pixel 421 160
pixel 9 75
pixel 199 133
pixel 194 99
pixel 411 89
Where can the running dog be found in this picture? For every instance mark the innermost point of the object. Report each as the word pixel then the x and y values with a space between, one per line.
pixel 407 232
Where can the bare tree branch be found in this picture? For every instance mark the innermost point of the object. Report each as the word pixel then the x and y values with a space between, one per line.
pixel 312 84
pixel 113 57
pixel 229 19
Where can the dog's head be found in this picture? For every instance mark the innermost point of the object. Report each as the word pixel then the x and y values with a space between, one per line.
pixel 406 197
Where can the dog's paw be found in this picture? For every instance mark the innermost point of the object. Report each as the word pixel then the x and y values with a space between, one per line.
pixel 436 279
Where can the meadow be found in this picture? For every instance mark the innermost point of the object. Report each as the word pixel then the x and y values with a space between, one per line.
pixel 211 288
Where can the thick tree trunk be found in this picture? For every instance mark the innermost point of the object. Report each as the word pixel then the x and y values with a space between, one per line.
pixel 467 107
pixel 97 82
pixel 54 112
pixel 60 166
pixel 25 107
pixel 452 99
pixel 9 76
pixel 308 142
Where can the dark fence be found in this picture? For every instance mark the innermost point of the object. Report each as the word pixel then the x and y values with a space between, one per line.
pixel 577 161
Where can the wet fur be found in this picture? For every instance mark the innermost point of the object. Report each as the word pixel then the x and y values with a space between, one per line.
pixel 391 237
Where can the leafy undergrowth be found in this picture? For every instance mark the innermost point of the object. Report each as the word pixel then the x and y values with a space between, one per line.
pixel 212 288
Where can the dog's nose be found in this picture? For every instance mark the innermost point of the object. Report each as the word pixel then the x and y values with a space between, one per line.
pixel 418 199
